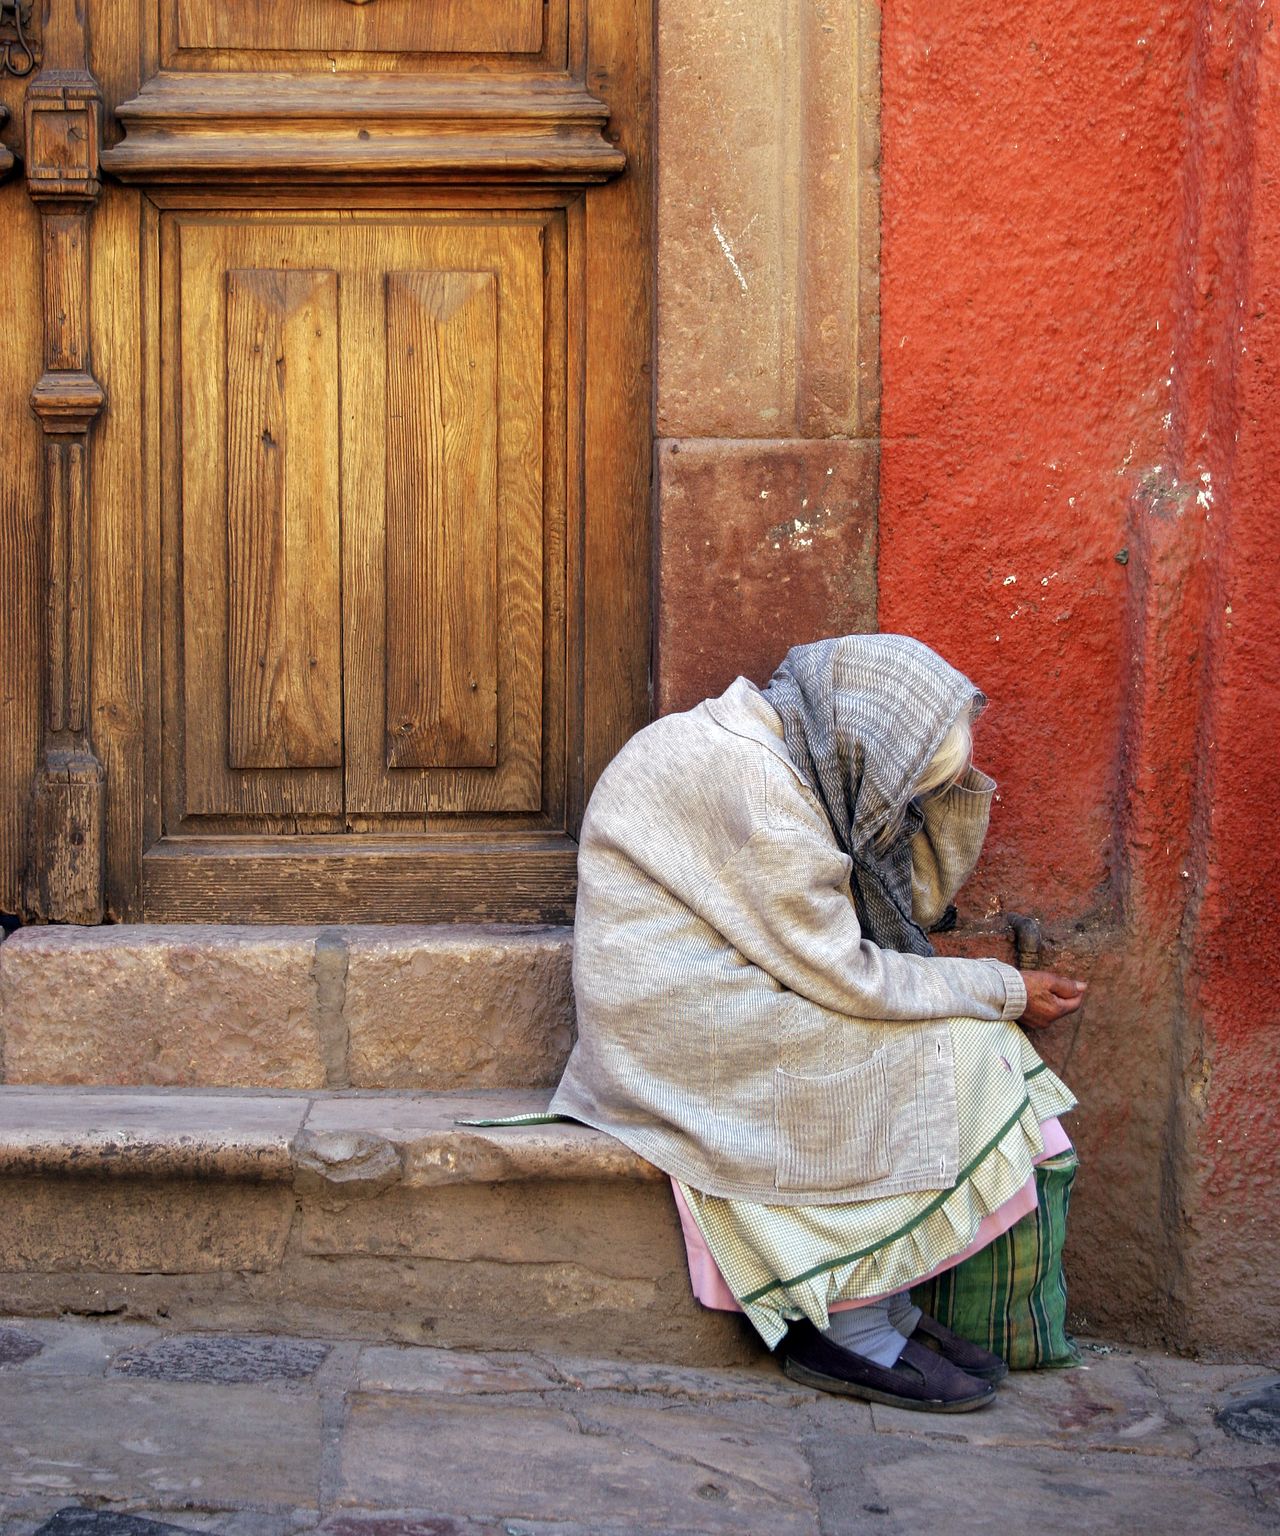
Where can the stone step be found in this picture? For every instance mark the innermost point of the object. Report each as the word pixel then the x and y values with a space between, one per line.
pixel 369 1215
pixel 225 1006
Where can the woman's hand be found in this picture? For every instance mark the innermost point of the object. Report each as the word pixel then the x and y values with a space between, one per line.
pixel 1049 998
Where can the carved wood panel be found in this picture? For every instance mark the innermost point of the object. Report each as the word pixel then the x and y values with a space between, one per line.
pixel 375 26
pixel 359 436
pixel 324 37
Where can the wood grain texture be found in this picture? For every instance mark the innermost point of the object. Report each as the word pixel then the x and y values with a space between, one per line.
pixel 201 597
pixel 387 880
pixel 68 830
pixel 442 520
pixel 319 129
pixel 319 46
pixel 369 166
pixel 385 26
pixel 284 630
pixel 119 551
pixel 21 562
pixel 511 249
pixel 618 404
pixel 62 117
pixel 362 251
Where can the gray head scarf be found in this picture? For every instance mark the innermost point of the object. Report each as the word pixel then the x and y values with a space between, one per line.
pixel 862 717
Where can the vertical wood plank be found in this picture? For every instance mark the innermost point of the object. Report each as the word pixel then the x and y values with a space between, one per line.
pixel 284 629
pixel 21 517
pixel 441 550
pixel 121 554
pixel 618 404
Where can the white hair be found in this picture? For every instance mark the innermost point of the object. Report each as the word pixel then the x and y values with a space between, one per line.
pixel 946 767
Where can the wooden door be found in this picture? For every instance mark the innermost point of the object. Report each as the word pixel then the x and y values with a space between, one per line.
pixel 355 435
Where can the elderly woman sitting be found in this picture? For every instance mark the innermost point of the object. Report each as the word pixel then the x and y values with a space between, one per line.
pixel 762 1015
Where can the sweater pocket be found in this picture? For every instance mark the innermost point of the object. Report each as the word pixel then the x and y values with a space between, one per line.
pixel 832 1132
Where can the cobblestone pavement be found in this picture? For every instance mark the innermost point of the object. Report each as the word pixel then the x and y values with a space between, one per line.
pixel 121 1430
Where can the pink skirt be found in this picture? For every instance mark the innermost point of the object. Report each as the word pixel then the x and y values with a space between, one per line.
pixel 709 1285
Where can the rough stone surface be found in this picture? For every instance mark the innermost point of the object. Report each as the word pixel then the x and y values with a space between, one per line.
pixel 775 540
pixel 458 1007
pixel 143 1004
pixel 669 1470
pixel 129 1226
pixel 381 1218
pixel 17 1346
pixel 1111 1409
pixel 959 1491
pixel 102 1522
pixel 435 1148
pixel 429 1442
pixel 123 1134
pixel 160 1443
pixel 453 1372
pixel 218 1357
pixel 757 225
pixel 1252 1412
pixel 400 1525
pixel 605 1232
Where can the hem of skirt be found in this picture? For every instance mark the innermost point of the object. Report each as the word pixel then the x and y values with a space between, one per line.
pixel 658 1151
pixel 711 1290
pixel 996 1175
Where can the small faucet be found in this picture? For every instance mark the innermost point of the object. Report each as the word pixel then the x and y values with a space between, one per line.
pixel 1028 941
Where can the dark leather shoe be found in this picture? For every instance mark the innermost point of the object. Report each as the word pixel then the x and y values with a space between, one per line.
pixel 921 1379
pixel 971 1358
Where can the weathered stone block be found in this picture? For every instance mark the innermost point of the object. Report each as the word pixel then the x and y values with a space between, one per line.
pixel 761 546
pixel 458 1007
pixel 347 1140
pixel 758 220
pixel 609 1231
pixel 129 1226
pixel 146 1004
pixel 148 1134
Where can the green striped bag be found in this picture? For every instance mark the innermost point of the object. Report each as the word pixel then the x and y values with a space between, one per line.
pixel 1011 1296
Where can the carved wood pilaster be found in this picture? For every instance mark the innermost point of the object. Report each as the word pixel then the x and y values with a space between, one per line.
pixel 63 120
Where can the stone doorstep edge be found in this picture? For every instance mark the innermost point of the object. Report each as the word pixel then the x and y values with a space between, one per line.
pixel 254 1139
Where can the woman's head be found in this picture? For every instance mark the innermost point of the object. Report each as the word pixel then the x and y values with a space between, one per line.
pixel 873 722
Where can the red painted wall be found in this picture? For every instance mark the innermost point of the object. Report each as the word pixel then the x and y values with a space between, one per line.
pixel 1081 240
pixel 1030 231
pixel 1236 976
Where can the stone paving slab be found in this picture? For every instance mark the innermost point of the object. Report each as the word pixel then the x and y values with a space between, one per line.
pixel 646 1469
pixel 933 1490
pixel 1105 1406
pixel 223 1358
pixel 155 1441
pixel 452 1372
pixel 343 1439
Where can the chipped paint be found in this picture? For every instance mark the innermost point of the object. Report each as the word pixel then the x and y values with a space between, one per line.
pixel 729 255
